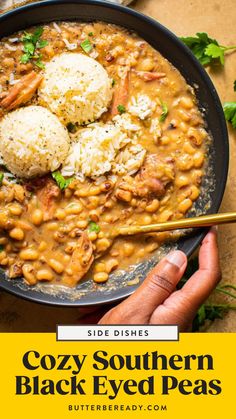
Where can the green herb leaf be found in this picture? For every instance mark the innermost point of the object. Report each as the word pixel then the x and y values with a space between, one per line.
pixel 235 85
pixel 27 37
pixel 93 227
pixel 32 42
pixel 29 48
pixel 90 34
pixel 113 82
pixel 42 43
pixel 164 112
pixel 25 58
pixel 1 178
pixel 206 49
pixel 230 112
pixel 40 64
pixel 215 51
pixel 121 109
pixel 61 181
pixel 86 45
pixel 1 248
pixel 37 34
pixel 201 314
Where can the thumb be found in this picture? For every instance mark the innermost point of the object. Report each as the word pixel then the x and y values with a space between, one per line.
pixel 155 289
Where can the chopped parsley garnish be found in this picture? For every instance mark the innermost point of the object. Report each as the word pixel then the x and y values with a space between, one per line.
pixel 61 181
pixel 1 248
pixel 235 85
pixel 113 82
pixel 93 227
pixel 1 177
pixel 164 112
pixel 32 42
pixel 90 34
pixel 86 45
pixel 230 112
pixel 205 49
pixel 121 109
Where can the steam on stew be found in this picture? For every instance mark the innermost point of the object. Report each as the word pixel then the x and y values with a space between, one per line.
pixel 52 227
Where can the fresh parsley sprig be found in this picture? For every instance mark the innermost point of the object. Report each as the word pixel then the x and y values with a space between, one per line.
pixel 31 43
pixel 230 110
pixel 208 312
pixel 206 49
pixel 62 182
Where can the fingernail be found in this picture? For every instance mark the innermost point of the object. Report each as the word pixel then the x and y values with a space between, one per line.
pixel 177 258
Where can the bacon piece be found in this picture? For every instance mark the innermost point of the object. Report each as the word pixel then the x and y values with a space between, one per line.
pixel 121 94
pixel 149 75
pixel 22 91
pixel 47 198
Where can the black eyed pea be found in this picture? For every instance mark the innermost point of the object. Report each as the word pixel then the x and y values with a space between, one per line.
pixel 92 235
pixel 74 208
pixel 185 205
pixel 4 262
pixel 94 216
pixel 17 234
pixel 29 274
pixel 100 277
pixel 60 214
pixel 128 249
pixel 102 245
pixel 111 265
pixel 153 206
pixel 56 266
pixel 37 217
pixel 198 159
pixel 15 209
pixel 44 275
pixel 29 254
pixel 100 267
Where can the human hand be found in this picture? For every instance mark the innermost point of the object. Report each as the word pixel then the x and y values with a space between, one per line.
pixel 157 302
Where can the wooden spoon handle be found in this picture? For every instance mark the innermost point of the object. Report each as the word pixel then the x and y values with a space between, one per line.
pixel 202 221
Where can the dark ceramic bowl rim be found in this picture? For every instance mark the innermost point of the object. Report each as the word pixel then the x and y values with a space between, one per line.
pixel 39 297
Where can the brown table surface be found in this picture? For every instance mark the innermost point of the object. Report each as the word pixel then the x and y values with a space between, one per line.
pixel 184 18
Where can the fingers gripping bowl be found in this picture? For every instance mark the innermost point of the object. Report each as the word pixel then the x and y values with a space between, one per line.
pixel 154 142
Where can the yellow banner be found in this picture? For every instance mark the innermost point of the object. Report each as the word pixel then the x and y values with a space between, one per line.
pixel 41 377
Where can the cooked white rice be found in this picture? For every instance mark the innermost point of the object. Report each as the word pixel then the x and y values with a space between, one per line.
pixel 141 106
pixel 76 88
pixel 125 123
pixel 102 148
pixel 32 141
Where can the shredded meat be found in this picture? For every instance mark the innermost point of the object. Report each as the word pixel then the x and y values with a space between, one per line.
pixel 149 75
pixel 22 91
pixel 82 257
pixel 47 196
pixel 151 180
pixel 121 94
pixel 15 270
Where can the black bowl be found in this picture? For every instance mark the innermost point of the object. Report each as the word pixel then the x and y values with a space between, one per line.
pixel 180 56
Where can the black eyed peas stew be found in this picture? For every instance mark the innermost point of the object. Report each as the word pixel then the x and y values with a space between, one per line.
pixel 57 235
